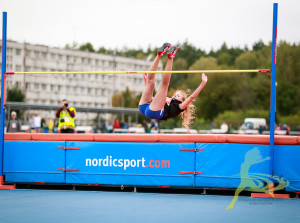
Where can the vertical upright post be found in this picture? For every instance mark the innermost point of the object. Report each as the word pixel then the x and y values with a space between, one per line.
pixel 3 70
pixel 273 86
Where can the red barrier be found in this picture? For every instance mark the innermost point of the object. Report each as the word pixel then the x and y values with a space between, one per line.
pixel 172 138
pixel 126 137
pixel 18 136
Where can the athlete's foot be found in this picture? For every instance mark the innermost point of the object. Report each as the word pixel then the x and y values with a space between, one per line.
pixel 162 50
pixel 172 53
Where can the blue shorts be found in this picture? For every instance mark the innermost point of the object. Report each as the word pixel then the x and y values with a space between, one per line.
pixel 145 111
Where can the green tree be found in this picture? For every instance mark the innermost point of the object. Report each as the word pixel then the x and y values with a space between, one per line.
pixel 15 94
pixel 224 58
pixel 125 99
pixel 287 98
pixel 258 45
pixel 247 60
pixel 177 79
pixel 87 47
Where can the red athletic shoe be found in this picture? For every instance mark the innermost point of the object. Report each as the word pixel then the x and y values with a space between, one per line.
pixel 172 53
pixel 161 51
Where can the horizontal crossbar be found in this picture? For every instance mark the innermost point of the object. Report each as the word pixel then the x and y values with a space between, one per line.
pixel 142 72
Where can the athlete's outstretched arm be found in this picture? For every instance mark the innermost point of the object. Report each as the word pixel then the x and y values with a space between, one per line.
pixel 184 104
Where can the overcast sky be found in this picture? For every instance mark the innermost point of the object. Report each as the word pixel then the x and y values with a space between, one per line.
pixel 140 23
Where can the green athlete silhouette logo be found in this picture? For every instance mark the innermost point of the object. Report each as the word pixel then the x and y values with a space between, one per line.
pixel 252 181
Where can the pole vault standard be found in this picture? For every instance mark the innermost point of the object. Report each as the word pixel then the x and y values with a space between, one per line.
pixel 273 109
pixel 4 36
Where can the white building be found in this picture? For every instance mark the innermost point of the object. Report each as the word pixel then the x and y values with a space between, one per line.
pixel 81 90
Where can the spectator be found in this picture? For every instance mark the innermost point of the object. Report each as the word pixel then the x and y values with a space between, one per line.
pixel 224 127
pixel 230 129
pixel 261 129
pixel 66 117
pixel 31 124
pixel 286 128
pixel 132 124
pixel 103 128
pixel 154 126
pixel 110 128
pixel 50 125
pixel 116 124
pixel 122 124
pixel 44 127
pixel 145 126
pixel 14 124
pixel 37 123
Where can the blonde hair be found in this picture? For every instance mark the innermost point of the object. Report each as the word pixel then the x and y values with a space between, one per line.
pixel 188 115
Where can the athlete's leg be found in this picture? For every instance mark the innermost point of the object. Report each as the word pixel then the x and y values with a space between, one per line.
pixel 150 77
pixel 158 102
pixel 150 83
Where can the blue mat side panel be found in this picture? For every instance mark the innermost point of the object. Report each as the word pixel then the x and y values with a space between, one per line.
pixel 224 165
pixel 287 165
pixel 150 164
pixel 141 164
pixel 33 161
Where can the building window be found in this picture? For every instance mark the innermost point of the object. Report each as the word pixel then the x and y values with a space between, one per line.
pixel 52 87
pixel 36 86
pixel 36 54
pixel 44 55
pixel 28 86
pixel 52 56
pixel 18 52
pixel 44 87
pixel 18 68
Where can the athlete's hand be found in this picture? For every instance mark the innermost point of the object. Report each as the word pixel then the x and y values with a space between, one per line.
pixel 204 78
